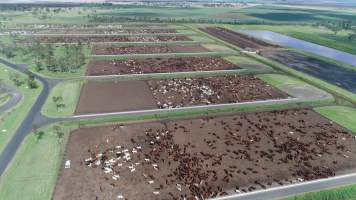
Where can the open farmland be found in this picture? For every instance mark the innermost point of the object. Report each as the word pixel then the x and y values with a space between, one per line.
pixel 157 65
pixel 116 50
pixel 120 101
pixel 203 157
pixel 100 97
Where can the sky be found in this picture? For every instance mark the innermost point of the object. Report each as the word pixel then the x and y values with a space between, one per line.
pixel 29 1
pixel 301 1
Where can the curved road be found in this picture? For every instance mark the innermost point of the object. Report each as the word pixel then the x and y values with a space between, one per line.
pixel 15 98
pixel 26 126
pixel 35 117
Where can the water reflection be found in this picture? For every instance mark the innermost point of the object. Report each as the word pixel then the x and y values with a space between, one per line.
pixel 284 40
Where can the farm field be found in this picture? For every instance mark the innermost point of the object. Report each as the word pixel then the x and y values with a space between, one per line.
pixel 158 103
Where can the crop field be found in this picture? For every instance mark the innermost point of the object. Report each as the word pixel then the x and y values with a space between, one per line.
pixel 271 14
pixel 197 157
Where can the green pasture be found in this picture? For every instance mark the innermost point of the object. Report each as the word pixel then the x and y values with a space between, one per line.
pixel 342 193
pixel 70 92
pixel 345 116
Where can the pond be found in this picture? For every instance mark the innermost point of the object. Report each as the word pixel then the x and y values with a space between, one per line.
pixel 284 40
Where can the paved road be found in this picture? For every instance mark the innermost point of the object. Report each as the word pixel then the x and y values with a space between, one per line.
pixel 26 126
pixel 189 108
pixel 15 98
pixel 293 189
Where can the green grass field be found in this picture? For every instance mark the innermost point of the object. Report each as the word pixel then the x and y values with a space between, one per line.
pixel 342 193
pixel 280 80
pixel 345 116
pixel 35 168
pixel 263 13
pixel 70 92
pixel 11 119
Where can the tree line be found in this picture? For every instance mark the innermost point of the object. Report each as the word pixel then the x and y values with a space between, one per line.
pixel 70 58
pixel 337 26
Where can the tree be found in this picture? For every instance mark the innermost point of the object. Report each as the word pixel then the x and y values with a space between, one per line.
pixel 58 131
pixel 38 134
pixel 58 101
pixel 50 60
pixel 31 81
pixel 16 78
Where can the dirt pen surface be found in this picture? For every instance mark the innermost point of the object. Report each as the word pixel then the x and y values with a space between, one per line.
pixel 116 50
pixel 203 157
pixel 108 38
pixel 101 97
pixel 157 65
pixel 104 97
pixel 105 31
pixel 340 76
pixel 175 93
pixel 237 39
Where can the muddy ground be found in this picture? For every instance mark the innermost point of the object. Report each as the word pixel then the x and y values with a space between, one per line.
pixel 157 65
pixel 203 157
pixel 334 74
pixel 116 50
pixel 237 39
pixel 109 38
pixel 182 92
pixel 91 31
pixel 111 31
pixel 103 97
